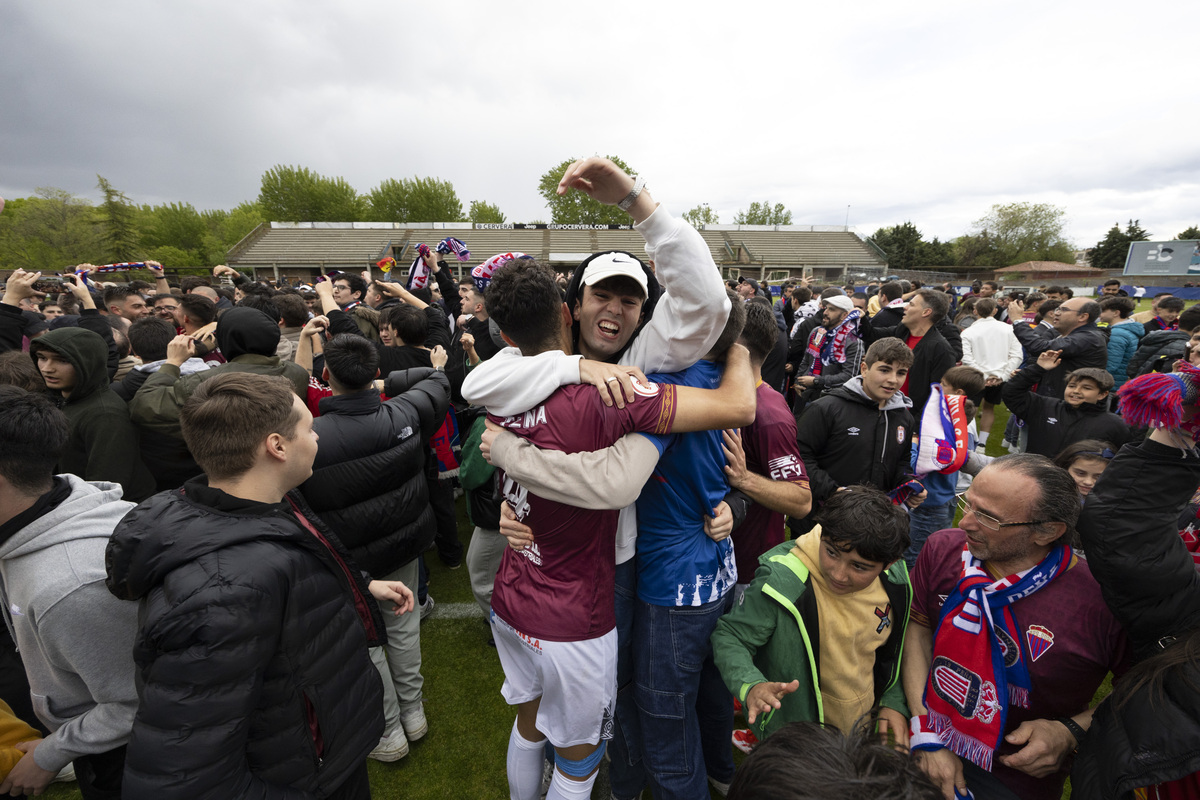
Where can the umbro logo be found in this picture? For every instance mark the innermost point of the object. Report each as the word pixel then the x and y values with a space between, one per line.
pixel 852 431
pixel 1051 420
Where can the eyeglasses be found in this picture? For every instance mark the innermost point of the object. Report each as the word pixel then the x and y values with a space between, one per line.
pixel 987 520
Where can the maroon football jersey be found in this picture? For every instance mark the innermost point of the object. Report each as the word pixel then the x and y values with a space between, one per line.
pixel 561 587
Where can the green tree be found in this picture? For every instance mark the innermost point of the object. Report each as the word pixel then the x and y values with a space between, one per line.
pixel 1022 232
pixel 296 194
pixel 576 208
pixel 227 228
pixel 700 216
pixel 49 232
pixel 764 214
pixel 415 200
pixel 485 213
pixel 1188 233
pixel 173 225
pixel 1111 251
pixel 902 243
pixel 118 216
pixel 936 253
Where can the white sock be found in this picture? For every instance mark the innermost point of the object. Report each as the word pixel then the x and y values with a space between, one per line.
pixel 525 759
pixel 982 437
pixel 563 788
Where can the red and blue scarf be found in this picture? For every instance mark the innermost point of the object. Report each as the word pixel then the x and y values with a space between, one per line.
pixel 980 661
pixel 830 345
pixel 418 273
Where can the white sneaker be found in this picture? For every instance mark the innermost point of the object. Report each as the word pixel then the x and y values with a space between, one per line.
pixel 414 723
pixel 392 747
pixel 65 775
pixel 427 606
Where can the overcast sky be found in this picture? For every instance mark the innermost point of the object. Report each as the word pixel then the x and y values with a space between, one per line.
pixel 924 111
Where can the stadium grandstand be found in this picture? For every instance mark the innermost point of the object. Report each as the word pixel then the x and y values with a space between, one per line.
pixel 300 251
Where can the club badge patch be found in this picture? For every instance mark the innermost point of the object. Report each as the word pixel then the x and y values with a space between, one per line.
pixel 645 390
pixel 964 690
pixel 1040 639
pixel 900 434
pixel 884 620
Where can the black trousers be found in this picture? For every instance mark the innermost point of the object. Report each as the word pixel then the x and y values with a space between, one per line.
pixel 99 775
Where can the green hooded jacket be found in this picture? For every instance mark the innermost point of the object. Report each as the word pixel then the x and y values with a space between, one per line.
pixel 103 443
pixel 773 635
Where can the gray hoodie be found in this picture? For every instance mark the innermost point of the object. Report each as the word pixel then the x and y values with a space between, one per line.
pixel 75 638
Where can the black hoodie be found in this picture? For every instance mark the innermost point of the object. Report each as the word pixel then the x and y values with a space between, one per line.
pixel 103 445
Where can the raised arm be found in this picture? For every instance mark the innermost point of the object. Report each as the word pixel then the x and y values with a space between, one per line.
pixel 692 312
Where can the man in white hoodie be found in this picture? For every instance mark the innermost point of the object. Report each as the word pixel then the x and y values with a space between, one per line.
pixel 75 638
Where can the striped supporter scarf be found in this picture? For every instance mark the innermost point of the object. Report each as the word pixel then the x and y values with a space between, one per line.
pixel 980 660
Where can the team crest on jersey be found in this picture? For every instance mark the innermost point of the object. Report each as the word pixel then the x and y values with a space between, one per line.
pixel 970 695
pixel 900 434
pixel 1040 639
pixel 884 620
pixel 645 390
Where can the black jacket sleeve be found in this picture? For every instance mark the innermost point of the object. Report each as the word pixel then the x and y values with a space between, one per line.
pixel 952 335
pixel 426 390
pixel 812 432
pixel 1130 531
pixel 1017 395
pixel 341 322
pixel 439 331
pixel 449 290
pixel 12 327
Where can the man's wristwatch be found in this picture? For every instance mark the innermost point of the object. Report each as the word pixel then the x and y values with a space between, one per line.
pixel 639 183
pixel 1074 727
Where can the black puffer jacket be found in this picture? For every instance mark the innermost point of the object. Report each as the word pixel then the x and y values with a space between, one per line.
pixel 1130 532
pixel 1158 352
pixel 254 678
pixel 368 482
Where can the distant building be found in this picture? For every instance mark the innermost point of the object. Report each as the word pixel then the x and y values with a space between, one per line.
pixel 299 251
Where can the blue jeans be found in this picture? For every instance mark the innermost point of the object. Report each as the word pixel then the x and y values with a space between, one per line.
pixel 686 712
pixel 922 521
pixel 626 775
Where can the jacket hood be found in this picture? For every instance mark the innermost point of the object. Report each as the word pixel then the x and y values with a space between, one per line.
pixel 853 389
pixel 86 351
pixel 246 330
pixel 170 530
pixel 653 293
pixel 93 509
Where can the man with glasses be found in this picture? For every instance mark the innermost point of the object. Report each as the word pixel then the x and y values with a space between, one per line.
pixel 1081 343
pixel 1000 699
pixel 166 306
pixel 348 291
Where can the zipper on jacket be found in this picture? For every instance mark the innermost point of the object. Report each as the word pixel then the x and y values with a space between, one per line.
pixel 908 596
pixel 314 729
pixel 773 593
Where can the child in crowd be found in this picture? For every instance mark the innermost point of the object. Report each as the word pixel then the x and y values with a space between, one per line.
pixel 1081 414
pixel 1085 461
pixel 937 512
pixel 839 590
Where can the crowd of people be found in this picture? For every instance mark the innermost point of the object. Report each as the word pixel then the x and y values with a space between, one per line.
pixel 703 519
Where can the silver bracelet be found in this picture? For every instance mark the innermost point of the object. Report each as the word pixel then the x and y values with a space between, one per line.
pixel 639 183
